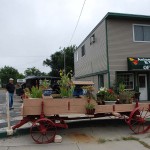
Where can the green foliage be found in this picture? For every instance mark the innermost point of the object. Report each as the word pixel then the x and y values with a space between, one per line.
pixel 106 94
pixel 121 87
pixel 56 61
pixel 45 84
pixel 110 97
pixel 66 85
pixel 126 96
pixel 8 72
pixel 101 140
pixel 36 92
pixel 20 76
pixel 89 106
pixel 102 91
pixel 32 71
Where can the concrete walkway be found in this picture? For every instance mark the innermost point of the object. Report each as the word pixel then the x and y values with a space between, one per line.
pixel 108 137
pixel 14 114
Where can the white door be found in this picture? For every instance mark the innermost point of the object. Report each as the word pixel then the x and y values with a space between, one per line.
pixel 143 86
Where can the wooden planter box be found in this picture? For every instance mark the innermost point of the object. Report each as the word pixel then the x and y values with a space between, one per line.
pixel 55 106
pixel 66 106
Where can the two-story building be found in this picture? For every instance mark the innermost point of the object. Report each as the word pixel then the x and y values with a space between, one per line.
pixel 117 49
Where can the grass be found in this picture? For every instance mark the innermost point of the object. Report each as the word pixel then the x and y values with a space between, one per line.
pixel 101 140
pixel 148 136
pixel 136 139
pixel 129 138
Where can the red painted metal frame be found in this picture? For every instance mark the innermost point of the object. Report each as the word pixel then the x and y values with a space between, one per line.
pixel 43 131
pixel 136 121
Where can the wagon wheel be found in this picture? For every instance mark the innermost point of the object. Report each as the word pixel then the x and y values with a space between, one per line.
pixel 138 120
pixel 43 131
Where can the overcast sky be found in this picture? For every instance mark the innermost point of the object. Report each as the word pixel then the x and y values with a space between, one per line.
pixel 32 30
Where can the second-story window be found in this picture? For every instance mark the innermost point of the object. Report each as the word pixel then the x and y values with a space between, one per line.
pixel 141 33
pixel 83 50
pixel 92 39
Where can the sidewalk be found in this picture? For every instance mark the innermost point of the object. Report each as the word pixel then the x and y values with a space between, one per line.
pixel 15 116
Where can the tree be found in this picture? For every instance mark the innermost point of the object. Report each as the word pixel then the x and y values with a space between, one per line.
pixel 6 73
pixel 56 61
pixel 32 72
pixel 20 76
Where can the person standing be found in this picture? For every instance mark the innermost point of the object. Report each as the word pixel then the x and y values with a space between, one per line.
pixel 10 88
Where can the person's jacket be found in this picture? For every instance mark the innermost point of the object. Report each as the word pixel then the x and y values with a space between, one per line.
pixel 10 88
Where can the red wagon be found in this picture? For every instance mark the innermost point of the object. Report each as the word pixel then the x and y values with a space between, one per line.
pixel 46 115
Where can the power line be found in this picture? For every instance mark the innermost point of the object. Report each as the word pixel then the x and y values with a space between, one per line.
pixel 77 22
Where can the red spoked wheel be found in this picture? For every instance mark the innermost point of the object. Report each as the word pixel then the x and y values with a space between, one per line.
pixel 139 120
pixel 43 131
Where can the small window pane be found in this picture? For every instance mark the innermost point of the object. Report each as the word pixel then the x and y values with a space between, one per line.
pixel 138 33
pixel 82 50
pixel 146 33
pixel 141 33
pixel 142 81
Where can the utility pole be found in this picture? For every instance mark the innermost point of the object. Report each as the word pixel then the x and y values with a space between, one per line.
pixel 64 62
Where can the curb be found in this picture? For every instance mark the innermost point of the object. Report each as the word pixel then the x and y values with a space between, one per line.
pixel 17 132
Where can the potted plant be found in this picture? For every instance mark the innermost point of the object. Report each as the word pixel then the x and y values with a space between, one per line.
pixel 101 95
pixel 110 97
pixel 66 85
pixel 125 96
pixel 90 108
pixel 36 92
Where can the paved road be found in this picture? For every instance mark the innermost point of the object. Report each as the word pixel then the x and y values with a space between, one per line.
pixel 95 135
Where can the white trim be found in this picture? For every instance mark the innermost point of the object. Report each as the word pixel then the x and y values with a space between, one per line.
pixel 134 34
pixel 146 87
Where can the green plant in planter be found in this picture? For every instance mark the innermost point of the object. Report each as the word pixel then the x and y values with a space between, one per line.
pixel 36 92
pixel 126 96
pixel 66 85
pixel 121 87
pixel 110 95
pixel 101 95
pixel 90 108
pixel 45 84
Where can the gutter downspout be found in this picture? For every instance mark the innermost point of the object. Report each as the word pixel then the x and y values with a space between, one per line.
pixel 107 53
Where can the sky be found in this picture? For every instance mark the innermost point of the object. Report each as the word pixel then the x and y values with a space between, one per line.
pixel 32 30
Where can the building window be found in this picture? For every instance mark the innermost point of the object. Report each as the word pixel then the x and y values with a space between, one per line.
pixel 92 39
pixel 101 81
pixel 127 79
pixel 82 50
pixel 141 33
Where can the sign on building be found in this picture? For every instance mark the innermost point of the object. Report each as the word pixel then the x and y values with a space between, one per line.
pixel 138 63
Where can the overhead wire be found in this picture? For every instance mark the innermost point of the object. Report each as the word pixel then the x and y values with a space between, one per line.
pixel 77 22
